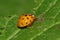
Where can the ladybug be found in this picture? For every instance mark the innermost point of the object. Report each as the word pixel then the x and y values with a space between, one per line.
pixel 25 20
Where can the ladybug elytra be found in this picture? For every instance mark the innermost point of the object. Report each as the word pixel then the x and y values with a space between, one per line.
pixel 25 20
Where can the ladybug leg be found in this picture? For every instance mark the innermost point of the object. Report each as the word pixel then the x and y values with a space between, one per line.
pixel 28 25
pixel 39 19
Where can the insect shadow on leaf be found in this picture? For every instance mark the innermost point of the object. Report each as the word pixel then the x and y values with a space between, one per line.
pixel 9 16
pixel 22 27
pixel 2 28
pixel 0 33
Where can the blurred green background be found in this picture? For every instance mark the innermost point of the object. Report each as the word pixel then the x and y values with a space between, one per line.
pixel 47 27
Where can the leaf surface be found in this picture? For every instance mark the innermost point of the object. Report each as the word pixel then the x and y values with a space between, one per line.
pixel 47 27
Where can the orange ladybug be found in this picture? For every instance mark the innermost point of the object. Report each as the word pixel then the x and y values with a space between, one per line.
pixel 25 20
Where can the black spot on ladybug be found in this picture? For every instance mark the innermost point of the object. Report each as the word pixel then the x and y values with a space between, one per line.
pixel 27 18
pixel 26 22
pixel 32 17
pixel 29 15
pixel 25 15
pixel 30 20
pixel 22 23
pixel 22 18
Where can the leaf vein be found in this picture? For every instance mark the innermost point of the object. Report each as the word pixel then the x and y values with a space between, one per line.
pixel 13 34
pixel 50 5
pixel 38 5
pixel 44 30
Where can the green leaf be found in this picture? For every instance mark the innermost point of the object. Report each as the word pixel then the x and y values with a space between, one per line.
pixel 46 27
